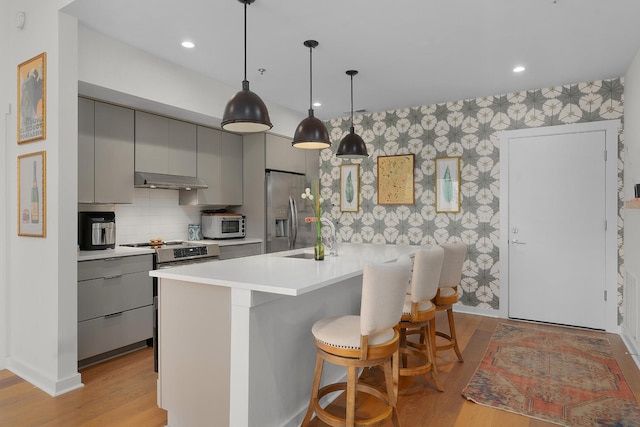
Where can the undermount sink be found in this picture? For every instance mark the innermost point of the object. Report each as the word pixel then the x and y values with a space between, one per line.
pixel 303 255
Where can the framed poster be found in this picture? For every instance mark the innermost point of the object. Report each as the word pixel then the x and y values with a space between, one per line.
pixel 32 194
pixel 395 180
pixel 350 188
pixel 32 102
pixel 448 184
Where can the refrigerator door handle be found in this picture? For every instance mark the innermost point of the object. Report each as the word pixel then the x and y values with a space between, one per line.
pixel 293 223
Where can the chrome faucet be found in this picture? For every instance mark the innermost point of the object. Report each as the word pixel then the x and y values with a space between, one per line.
pixel 333 243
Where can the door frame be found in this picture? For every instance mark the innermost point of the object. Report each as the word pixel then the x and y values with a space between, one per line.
pixel 611 128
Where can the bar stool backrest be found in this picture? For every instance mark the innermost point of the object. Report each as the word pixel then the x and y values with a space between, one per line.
pixel 427 266
pixel 383 289
pixel 454 256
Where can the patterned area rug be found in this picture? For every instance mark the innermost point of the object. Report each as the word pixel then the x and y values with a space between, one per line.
pixel 563 378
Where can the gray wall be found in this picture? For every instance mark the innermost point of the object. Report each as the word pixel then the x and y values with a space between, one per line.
pixel 468 129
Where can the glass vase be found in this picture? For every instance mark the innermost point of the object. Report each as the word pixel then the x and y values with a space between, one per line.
pixel 318 250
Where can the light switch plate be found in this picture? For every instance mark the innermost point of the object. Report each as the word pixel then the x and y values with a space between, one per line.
pixel 20 16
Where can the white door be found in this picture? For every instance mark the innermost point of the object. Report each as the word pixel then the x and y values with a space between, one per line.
pixel 556 226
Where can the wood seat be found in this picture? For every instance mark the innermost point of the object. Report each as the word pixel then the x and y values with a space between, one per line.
pixel 370 339
pixel 418 315
pixel 447 295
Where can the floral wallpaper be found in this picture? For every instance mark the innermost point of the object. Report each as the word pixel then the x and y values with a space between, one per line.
pixel 467 129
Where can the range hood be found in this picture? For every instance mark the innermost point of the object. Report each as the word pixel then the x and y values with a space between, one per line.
pixel 173 182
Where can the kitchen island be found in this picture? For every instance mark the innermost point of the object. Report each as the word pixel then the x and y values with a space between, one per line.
pixel 235 343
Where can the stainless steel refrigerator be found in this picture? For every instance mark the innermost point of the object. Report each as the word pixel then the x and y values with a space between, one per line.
pixel 286 212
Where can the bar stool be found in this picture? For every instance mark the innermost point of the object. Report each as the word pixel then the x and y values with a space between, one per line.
pixel 418 315
pixel 454 256
pixel 370 339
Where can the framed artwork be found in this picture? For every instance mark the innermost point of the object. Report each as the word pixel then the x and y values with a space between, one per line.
pixel 448 184
pixel 32 102
pixel 32 194
pixel 350 188
pixel 395 180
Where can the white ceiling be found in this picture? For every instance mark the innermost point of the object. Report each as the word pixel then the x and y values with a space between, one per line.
pixel 408 52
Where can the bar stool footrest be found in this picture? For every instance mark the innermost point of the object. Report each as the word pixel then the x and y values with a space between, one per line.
pixel 336 421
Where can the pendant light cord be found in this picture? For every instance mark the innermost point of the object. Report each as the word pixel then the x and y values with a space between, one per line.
pixel 351 100
pixel 310 78
pixel 245 40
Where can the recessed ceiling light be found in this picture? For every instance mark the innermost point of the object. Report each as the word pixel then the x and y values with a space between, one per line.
pixel 317 104
pixel 188 44
pixel 518 69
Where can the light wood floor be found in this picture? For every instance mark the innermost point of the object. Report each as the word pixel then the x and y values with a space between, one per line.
pixel 122 391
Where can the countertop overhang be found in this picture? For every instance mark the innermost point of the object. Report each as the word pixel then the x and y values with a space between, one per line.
pixel 278 273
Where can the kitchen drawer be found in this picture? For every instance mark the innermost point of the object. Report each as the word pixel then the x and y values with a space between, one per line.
pixel 104 296
pixel 97 336
pixel 237 251
pixel 110 267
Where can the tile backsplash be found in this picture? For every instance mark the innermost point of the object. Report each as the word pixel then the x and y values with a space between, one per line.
pixel 154 213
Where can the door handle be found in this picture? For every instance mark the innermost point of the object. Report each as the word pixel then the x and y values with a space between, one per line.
pixel 112 315
pixel 517 242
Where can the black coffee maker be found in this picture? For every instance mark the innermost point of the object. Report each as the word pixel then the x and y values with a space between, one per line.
pixel 96 230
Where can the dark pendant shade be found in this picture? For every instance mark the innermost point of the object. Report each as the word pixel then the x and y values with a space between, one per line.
pixel 311 133
pixel 352 146
pixel 246 112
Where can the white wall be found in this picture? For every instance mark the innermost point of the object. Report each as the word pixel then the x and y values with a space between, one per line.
pixel 631 177
pixel 40 283
pixel 5 73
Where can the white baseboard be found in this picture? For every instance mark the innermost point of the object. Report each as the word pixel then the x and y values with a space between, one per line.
pixel 632 348
pixel 49 386
pixel 489 312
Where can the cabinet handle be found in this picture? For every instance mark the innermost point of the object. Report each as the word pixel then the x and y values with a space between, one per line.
pixel 109 316
pixel 112 277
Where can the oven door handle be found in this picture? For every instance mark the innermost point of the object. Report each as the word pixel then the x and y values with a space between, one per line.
pixel 184 262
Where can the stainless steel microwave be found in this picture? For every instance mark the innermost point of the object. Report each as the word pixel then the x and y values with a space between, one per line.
pixel 223 226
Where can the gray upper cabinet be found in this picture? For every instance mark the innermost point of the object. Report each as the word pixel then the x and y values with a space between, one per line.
pixel 105 152
pixel 281 155
pixel 165 145
pixel 220 166
pixel 86 150
pixel 182 148
pixel 152 143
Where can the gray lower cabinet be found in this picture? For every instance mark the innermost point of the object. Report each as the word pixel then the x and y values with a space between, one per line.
pixel 238 251
pixel 105 152
pixel 115 304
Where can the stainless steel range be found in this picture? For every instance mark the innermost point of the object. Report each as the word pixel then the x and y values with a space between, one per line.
pixel 173 254
pixel 176 252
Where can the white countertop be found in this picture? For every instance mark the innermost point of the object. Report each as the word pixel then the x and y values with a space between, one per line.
pixel 230 242
pixel 275 273
pixel 119 251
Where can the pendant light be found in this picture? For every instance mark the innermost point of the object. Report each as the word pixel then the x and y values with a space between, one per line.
pixel 245 112
pixel 311 132
pixel 352 146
